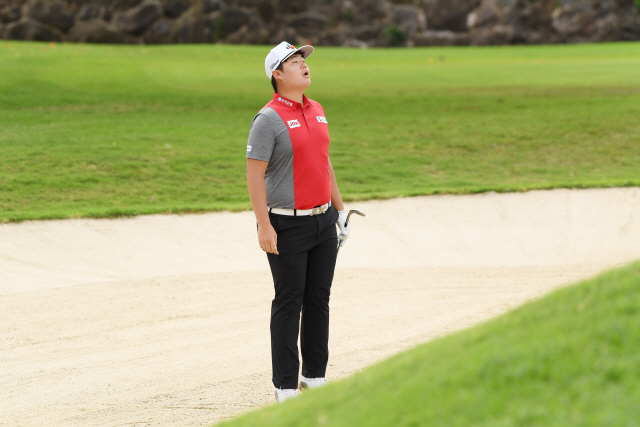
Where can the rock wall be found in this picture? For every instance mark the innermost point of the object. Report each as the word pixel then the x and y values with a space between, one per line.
pixel 359 23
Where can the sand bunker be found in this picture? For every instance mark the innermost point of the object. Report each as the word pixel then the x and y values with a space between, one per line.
pixel 164 320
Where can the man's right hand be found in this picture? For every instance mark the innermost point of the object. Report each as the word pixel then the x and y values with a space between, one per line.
pixel 268 238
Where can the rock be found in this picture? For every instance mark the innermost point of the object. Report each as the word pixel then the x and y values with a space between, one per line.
pixel 52 14
pixel 138 19
pixel 159 32
pixel 377 23
pixel 607 28
pixel 485 15
pixel 89 11
pixel 629 24
pixel 448 14
pixel 546 21
pixel 508 21
pixel 288 34
pixel 573 20
pixel 245 36
pixel 175 8
pixel 334 37
pixel 195 28
pixel 602 8
pixel 330 7
pixel 440 38
pixel 121 5
pixel 266 10
pixel 209 6
pixel 539 37
pixel 249 4
pixel 366 32
pixel 367 11
pixel 233 19
pixel 308 23
pixel 355 43
pixel 495 35
pixel 408 19
pixel 97 31
pixel 107 15
pixel 30 29
pixel 162 28
pixel 537 16
pixel 287 7
pixel 10 14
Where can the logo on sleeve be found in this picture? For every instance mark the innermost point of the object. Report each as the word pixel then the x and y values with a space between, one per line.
pixel 321 119
pixel 293 124
pixel 248 148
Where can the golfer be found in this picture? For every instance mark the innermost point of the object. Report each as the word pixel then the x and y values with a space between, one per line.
pixel 297 203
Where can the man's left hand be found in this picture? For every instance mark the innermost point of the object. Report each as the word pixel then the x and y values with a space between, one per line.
pixel 344 230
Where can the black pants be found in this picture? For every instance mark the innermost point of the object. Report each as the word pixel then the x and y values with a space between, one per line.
pixel 302 276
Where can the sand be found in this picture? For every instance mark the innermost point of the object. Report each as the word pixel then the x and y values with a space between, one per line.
pixel 163 320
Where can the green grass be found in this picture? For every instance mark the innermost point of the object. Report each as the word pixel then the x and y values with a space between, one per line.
pixel 571 358
pixel 100 130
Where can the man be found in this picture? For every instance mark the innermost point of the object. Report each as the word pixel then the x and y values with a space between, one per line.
pixel 297 203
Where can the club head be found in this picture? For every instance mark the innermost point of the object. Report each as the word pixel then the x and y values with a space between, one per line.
pixel 353 211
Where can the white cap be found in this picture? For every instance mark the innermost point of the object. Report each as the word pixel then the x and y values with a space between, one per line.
pixel 281 53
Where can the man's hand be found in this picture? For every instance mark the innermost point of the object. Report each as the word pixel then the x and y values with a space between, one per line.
pixel 268 238
pixel 344 230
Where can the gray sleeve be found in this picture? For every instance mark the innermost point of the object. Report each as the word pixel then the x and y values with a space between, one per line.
pixel 262 138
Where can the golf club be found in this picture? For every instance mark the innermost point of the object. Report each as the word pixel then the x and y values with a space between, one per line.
pixel 352 211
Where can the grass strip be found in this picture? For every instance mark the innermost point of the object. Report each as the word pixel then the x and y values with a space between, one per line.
pixel 109 130
pixel 569 358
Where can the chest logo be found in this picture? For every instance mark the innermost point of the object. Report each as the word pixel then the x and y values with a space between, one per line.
pixel 293 124
pixel 322 119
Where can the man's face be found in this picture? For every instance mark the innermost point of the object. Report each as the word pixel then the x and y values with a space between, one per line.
pixel 295 72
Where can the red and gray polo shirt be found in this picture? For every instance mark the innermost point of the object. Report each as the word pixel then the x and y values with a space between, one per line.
pixel 294 139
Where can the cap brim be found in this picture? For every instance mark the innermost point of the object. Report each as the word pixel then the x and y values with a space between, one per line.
pixel 305 51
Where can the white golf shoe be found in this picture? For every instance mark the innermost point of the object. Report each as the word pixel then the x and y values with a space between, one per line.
pixel 306 383
pixel 286 393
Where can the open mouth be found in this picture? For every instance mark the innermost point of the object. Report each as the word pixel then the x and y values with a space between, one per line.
pixel 305 74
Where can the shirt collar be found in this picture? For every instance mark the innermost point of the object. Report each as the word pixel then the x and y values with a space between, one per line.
pixel 289 103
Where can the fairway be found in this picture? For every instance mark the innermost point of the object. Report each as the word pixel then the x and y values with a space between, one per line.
pixel 101 130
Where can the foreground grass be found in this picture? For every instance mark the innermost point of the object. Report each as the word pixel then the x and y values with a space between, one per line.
pixel 99 130
pixel 571 358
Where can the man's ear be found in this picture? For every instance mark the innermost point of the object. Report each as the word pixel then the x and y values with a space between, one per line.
pixel 277 74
